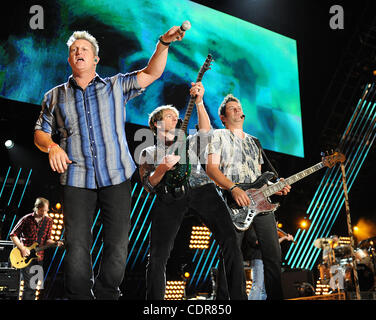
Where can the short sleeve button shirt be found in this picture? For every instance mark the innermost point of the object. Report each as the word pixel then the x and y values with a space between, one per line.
pixel 91 125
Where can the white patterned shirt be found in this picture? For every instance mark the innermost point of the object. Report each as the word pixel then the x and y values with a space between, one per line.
pixel 240 159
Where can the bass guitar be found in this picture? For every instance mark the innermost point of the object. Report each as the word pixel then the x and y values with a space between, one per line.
pixel 174 182
pixel 20 262
pixel 259 192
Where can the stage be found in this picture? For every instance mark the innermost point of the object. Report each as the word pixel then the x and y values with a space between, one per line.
pixel 306 73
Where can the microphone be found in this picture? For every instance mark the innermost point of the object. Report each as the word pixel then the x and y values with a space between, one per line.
pixel 186 25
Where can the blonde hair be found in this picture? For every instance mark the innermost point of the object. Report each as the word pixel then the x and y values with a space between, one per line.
pixel 77 35
pixel 40 203
pixel 157 115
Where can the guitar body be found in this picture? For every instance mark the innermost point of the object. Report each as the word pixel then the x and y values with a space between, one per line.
pixel 175 181
pixel 259 192
pixel 242 217
pixel 20 262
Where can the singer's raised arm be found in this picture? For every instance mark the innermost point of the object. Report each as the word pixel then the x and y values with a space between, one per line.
pixel 157 62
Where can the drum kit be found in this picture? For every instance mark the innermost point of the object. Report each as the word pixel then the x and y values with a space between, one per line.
pixel 336 268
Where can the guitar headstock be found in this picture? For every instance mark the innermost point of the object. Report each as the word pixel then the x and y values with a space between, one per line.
pixel 207 64
pixel 331 159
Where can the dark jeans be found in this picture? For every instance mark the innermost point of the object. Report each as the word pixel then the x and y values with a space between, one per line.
pixel 166 221
pixel 79 208
pixel 27 275
pixel 267 236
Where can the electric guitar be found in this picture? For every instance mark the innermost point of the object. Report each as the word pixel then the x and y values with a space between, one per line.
pixel 174 181
pixel 20 262
pixel 259 192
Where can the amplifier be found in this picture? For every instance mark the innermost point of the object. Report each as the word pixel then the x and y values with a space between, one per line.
pixel 9 283
pixel 5 249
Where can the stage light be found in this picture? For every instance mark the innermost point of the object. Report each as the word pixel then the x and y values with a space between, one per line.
pixel 175 290
pixel 58 206
pixel 200 238
pixel 187 275
pixel 248 286
pixel 57 226
pixel 9 144
pixel 304 223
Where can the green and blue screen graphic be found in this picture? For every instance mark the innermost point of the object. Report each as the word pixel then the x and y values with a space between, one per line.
pixel 257 65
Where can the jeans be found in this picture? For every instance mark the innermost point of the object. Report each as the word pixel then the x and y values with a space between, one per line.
pixel 266 231
pixel 258 285
pixel 166 220
pixel 79 207
pixel 267 236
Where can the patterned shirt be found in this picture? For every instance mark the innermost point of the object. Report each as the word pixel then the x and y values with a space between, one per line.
pixel 27 230
pixel 152 156
pixel 240 159
pixel 91 125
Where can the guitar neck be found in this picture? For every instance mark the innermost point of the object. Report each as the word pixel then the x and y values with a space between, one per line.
pixel 37 249
pixel 291 180
pixel 191 103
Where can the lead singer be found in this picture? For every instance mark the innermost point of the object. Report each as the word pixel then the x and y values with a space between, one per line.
pixel 94 161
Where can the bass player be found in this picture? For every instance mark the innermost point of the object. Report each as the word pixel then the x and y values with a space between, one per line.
pixel 234 157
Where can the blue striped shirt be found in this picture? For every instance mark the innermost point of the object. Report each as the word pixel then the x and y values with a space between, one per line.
pixel 91 125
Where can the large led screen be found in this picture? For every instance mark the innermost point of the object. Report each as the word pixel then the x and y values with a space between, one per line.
pixel 255 64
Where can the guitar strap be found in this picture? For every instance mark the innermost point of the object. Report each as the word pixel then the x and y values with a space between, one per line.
pixel 257 141
pixel 199 156
pixel 41 229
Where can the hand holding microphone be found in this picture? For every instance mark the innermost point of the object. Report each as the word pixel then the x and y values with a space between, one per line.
pixel 175 33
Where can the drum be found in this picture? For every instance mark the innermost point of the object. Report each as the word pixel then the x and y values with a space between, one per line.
pixel 360 254
pixel 337 277
pixel 365 277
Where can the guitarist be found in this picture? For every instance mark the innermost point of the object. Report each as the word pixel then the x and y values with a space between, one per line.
pixel 202 197
pixel 33 227
pixel 234 157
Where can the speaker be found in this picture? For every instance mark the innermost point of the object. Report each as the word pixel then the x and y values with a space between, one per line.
pixel 297 283
pixel 5 249
pixel 9 283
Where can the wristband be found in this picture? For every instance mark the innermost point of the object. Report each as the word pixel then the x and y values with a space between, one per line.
pixel 51 146
pixel 201 103
pixel 148 184
pixel 163 42
pixel 233 187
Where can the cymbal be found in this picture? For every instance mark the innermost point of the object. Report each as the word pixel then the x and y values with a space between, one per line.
pixel 322 243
